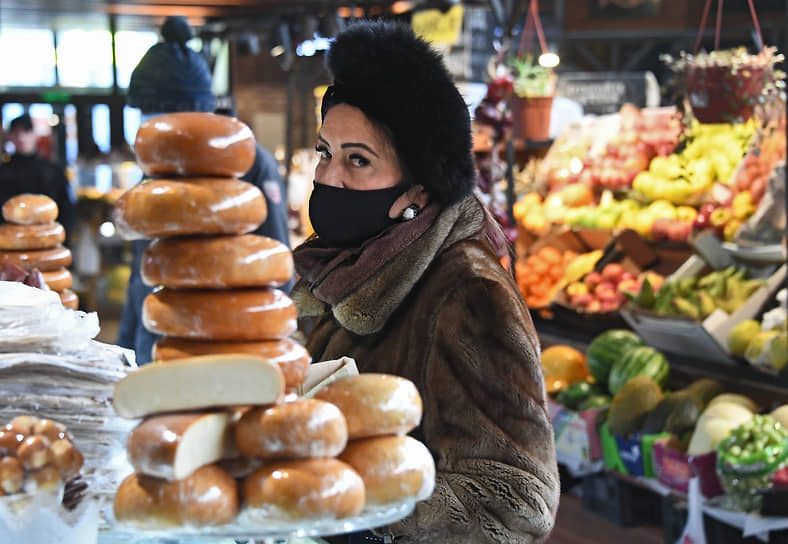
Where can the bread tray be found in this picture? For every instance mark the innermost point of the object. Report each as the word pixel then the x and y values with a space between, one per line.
pixel 258 528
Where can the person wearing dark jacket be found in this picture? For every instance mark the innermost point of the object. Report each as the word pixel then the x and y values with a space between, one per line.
pixel 401 276
pixel 28 172
pixel 171 77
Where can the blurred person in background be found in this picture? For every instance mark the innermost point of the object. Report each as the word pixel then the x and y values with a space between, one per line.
pixel 28 172
pixel 171 77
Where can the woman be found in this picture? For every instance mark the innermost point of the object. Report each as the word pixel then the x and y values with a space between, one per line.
pixel 401 277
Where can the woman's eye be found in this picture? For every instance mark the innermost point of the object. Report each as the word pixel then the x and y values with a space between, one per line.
pixel 358 160
pixel 323 152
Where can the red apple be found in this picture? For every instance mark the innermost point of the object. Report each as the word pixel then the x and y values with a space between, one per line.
pixel 613 272
pixel 592 280
pixel 679 231
pixel 627 285
pixel 660 228
pixel 593 306
pixel 581 300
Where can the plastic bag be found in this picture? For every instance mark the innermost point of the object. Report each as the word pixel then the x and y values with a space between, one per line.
pixel 693 532
pixel 32 319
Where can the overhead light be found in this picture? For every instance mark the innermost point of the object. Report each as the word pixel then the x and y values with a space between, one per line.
pixel 277 51
pixel 549 60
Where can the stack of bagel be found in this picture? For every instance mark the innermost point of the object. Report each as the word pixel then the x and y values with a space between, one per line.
pixel 222 430
pixel 32 240
pixel 218 281
pixel 219 437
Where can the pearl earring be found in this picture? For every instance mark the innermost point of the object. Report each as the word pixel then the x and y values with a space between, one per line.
pixel 410 212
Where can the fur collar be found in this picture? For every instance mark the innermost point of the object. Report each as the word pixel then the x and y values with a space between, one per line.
pixel 366 309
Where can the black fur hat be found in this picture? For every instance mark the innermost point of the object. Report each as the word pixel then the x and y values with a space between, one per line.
pixel 399 81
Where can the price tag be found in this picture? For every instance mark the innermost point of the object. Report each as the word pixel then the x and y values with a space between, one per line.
pixel 439 28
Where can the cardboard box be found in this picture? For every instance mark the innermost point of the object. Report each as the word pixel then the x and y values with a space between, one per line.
pixel 707 338
pixel 577 442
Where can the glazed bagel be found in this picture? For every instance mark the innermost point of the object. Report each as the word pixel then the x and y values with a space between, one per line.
pixel 46 260
pixel 26 237
pixel 57 280
pixel 375 404
pixel 300 429
pixel 306 488
pixel 217 262
pixel 235 314
pixel 69 299
pixel 194 144
pixel 209 496
pixel 162 207
pixel 30 209
pixel 393 468
pixel 291 357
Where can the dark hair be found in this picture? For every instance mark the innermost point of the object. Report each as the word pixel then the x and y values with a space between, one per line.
pixel 23 122
pixel 400 82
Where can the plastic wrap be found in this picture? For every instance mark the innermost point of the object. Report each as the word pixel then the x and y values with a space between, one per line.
pixel 237 314
pixel 217 262
pixel 189 206
pixel 41 518
pixel 34 320
pixel 194 144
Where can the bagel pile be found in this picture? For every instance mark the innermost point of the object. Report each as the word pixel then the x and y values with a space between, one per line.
pixel 200 460
pixel 219 282
pixel 32 240
pixel 222 430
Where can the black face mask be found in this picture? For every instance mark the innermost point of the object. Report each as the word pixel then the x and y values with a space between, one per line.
pixel 347 217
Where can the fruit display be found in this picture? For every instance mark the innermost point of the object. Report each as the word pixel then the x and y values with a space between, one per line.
pixel 606 349
pixel 697 297
pixel 748 457
pixel 679 411
pixel 584 395
pixel 562 366
pixel 711 153
pixel 539 275
pixel 724 413
pixel 632 403
pixel 641 136
pixel 607 290
pixel 638 361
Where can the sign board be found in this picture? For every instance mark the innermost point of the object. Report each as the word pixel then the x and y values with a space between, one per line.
pixel 605 92
pixel 437 27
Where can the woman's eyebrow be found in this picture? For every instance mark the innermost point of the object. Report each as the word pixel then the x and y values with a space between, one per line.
pixel 358 144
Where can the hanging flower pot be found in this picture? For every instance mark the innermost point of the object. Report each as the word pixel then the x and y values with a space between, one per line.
pixel 531 117
pixel 532 101
pixel 725 86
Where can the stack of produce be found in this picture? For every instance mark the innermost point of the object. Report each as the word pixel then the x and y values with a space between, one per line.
pixel 31 240
pixel 219 282
pixel 288 452
pixel 539 275
pixel 607 290
pixel 711 154
pixel 697 297
pixel 641 137
pixel 36 454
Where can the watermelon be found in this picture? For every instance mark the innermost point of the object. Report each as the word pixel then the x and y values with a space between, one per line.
pixel 639 361
pixel 606 349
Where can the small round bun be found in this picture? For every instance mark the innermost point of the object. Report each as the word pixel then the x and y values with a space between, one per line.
pixel 375 404
pixel 209 496
pixel 299 429
pixel 307 488
pixel 25 237
pixel 393 468
pixel 30 209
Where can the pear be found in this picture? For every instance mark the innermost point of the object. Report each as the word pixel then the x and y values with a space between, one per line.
pixel 741 334
pixel 756 348
pixel 778 351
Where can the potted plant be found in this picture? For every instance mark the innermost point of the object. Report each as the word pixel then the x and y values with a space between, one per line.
pixel 726 86
pixel 534 88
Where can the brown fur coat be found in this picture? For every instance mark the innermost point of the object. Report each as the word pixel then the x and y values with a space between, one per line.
pixel 463 335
